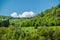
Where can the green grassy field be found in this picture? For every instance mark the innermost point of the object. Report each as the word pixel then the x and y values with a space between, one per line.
pixel 30 33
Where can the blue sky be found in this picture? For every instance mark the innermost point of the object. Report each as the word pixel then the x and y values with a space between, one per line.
pixel 9 6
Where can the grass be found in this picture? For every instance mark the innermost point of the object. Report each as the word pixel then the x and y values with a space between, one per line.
pixel 23 33
pixel 29 29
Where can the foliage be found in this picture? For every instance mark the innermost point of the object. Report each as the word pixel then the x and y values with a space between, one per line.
pixel 23 33
pixel 49 17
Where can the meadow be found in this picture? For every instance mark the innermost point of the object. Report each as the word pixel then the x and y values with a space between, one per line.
pixel 30 33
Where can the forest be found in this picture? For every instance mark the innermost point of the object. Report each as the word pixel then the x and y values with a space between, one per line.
pixel 43 26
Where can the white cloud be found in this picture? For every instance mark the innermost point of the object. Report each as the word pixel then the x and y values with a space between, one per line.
pixel 24 14
pixel 14 14
pixel 27 14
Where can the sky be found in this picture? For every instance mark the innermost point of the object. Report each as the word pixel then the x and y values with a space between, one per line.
pixel 25 7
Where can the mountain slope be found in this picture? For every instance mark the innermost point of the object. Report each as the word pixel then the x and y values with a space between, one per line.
pixel 49 17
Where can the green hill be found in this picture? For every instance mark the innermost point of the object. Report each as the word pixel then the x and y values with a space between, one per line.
pixel 49 17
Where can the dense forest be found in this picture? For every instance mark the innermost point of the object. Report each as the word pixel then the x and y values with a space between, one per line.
pixel 43 26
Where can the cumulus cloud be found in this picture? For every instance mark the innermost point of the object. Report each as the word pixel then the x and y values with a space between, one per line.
pixel 24 14
pixel 14 14
pixel 27 14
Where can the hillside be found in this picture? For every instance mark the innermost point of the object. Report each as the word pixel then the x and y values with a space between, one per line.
pixel 49 17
